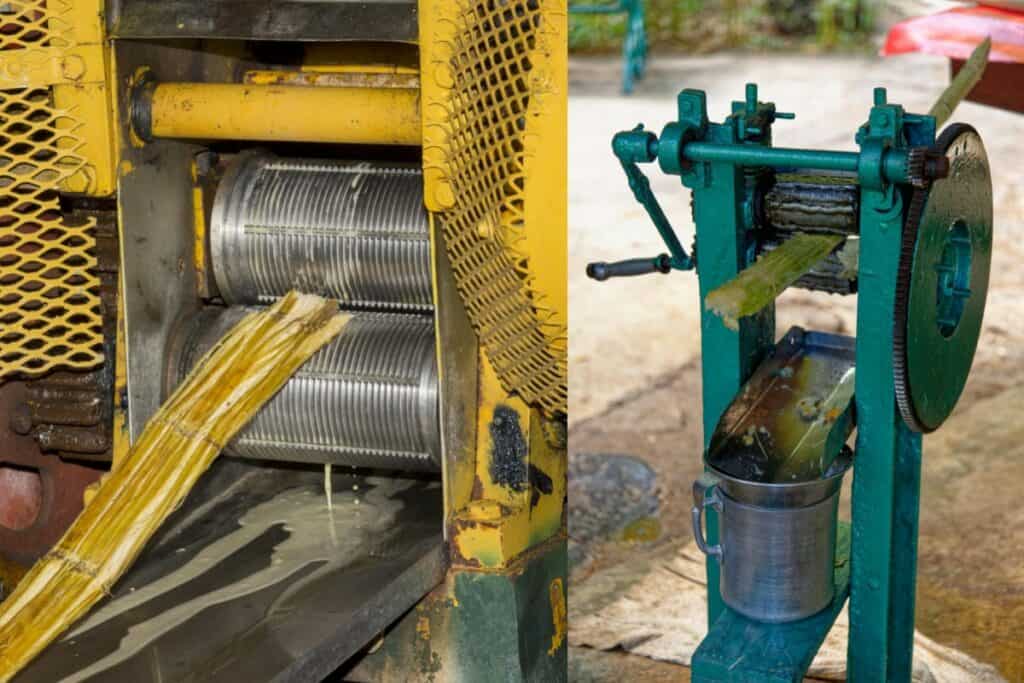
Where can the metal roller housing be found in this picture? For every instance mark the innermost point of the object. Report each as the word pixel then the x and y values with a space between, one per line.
pixel 369 398
pixel 353 231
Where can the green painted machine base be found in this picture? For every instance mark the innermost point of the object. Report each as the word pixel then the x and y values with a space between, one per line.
pixel 481 627
pixel 740 650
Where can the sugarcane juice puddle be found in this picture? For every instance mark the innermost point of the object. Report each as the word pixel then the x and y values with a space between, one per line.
pixel 312 528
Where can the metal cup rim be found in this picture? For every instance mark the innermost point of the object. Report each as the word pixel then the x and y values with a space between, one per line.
pixel 783 494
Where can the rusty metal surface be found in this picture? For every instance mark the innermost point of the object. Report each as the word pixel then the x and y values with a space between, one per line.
pixel 62 486
pixel 22 499
pixel 71 413
pixel 256 579
pixel 305 20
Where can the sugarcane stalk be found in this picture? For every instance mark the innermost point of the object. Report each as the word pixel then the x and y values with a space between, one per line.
pixel 962 84
pixel 219 396
pixel 759 284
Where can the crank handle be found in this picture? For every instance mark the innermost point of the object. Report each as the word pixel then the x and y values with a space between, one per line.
pixel 601 271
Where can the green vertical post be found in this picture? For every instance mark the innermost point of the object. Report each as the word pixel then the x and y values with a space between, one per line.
pixel 506 626
pixel 728 357
pixel 886 486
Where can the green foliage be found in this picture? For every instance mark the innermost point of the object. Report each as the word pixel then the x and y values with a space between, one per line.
pixel 596 32
pixel 699 26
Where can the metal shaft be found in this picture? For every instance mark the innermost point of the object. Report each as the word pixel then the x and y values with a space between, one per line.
pixel 894 166
pixel 367 399
pixel 353 231
pixel 271 113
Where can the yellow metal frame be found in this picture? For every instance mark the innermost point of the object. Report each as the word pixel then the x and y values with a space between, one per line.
pixel 78 74
pixel 500 523
pixel 522 224
pixel 73 63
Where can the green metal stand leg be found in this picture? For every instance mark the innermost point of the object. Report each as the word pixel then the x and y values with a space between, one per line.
pixel 886 484
pixel 728 357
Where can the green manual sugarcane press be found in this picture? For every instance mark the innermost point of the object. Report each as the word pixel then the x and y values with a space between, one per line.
pixel 905 223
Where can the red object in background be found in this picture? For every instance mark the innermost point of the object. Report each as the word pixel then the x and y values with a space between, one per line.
pixel 956 32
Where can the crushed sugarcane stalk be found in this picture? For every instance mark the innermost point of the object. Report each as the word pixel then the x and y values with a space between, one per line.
pixel 961 86
pixel 219 396
pixel 758 285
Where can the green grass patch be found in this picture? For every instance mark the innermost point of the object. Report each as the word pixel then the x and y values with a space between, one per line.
pixel 701 26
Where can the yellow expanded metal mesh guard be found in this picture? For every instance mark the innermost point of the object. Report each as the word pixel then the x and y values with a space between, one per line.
pixel 493 92
pixel 34 24
pixel 49 291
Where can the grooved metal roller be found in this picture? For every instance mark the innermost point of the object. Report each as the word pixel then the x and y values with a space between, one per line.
pixel 369 398
pixel 353 231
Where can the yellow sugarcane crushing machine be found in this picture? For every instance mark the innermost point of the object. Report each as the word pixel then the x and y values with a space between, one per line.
pixel 396 512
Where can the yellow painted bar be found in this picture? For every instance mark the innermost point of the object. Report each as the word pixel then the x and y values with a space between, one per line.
pixel 231 111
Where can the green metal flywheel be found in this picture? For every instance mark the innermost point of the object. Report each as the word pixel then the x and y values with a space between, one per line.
pixel 942 282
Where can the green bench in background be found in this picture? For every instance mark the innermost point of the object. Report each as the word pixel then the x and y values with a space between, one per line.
pixel 634 48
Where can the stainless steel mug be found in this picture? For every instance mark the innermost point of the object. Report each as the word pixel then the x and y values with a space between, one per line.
pixel 777 542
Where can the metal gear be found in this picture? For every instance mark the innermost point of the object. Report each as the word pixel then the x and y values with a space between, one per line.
pixel 942 282
pixel 916 167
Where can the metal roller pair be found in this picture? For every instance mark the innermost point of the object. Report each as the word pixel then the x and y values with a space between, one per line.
pixel 814 203
pixel 355 232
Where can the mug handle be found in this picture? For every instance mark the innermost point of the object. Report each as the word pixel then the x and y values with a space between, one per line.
pixel 705 493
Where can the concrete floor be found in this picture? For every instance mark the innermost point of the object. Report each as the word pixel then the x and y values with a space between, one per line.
pixel 634 345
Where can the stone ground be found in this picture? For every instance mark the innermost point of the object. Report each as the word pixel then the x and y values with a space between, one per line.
pixel 634 346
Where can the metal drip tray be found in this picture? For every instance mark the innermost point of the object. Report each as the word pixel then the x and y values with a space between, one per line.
pixel 793 417
pixel 261 583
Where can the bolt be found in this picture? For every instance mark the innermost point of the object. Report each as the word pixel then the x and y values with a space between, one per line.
pixel 751 97
pixel 443 195
pixel 206 160
pixel 81 181
pixel 443 76
pixel 20 420
pixel 935 166
pixel 72 68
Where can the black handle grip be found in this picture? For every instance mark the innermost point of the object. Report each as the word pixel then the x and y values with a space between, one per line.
pixel 635 266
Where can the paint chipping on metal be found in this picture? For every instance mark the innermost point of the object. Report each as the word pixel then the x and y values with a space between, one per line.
pixel 508 450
